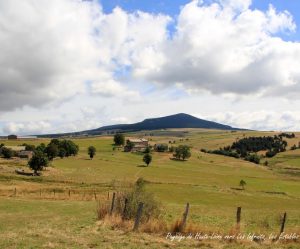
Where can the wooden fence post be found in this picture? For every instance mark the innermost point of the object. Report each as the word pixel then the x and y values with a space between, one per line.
pixel 125 209
pixel 108 195
pixel 112 203
pixel 283 223
pixel 184 218
pixel 54 192
pixel 238 216
pixel 95 195
pixel 40 192
pixel 138 216
pixel 15 193
pixel 69 193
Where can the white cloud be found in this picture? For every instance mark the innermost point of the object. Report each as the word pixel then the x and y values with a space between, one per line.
pixel 259 120
pixel 112 88
pixel 26 127
pixel 221 51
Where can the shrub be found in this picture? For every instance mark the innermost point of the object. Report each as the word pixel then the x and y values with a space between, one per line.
pixel 271 153
pixel 254 158
pixel 139 194
pixel 161 147
pixel 7 153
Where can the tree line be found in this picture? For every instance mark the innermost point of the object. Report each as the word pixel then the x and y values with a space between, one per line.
pixel 247 148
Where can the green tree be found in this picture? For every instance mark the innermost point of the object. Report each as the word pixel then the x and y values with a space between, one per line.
pixel 62 153
pixel 182 152
pixel 147 159
pixel 7 153
pixel 38 162
pixel 51 151
pixel 119 139
pixel 243 184
pixel 91 151
pixel 185 152
pixel 29 147
pixel 129 145
pixel 147 150
pixel 41 148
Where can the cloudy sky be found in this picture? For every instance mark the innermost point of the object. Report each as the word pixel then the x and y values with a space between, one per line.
pixel 70 65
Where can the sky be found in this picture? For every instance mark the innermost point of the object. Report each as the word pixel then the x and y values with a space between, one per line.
pixel 71 65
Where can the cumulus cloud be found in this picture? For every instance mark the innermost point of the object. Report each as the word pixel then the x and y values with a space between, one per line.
pixel 226 47
pixel 26 127
pixel 259 120
pixel 51 50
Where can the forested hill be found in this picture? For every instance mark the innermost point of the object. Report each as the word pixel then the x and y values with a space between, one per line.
pixel 180 120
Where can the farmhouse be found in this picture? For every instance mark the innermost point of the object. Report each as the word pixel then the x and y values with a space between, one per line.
pixel 136 144
pixel 20 151
pixel 25 154
pixel 12 137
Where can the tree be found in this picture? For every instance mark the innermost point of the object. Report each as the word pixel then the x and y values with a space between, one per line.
pixel 147 159
pixel 161 147
pixel 70 147
pixel 7 153
pixel 129 145
pixel 91 151
pixel 38 162
pixel 62 153
pixel 243 184
pixel 147 150
pixel 29 147
pixel 186 153
pixel 182 152
pixel 41 148
pixel 51 151
pixel 119 139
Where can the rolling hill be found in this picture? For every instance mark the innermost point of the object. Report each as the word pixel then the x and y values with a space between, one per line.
pixel 180 120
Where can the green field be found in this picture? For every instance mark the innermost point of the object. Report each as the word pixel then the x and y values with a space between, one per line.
pixel 38 212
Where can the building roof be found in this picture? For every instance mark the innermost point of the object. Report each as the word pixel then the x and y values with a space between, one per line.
pixel 25 153
pixel 138 140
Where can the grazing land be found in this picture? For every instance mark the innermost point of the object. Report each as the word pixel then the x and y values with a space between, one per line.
pixel 58 209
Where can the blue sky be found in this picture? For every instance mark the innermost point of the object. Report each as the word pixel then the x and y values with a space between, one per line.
pixel 172 8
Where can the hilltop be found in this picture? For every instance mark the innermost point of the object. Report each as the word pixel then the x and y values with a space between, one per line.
pixel 177 121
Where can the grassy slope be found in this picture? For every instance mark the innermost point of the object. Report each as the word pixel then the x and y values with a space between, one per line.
pixel 205 180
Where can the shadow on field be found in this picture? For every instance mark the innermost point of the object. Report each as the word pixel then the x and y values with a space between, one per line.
pixel 142 166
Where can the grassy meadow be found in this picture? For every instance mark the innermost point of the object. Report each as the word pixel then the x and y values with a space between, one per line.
pixel 58 209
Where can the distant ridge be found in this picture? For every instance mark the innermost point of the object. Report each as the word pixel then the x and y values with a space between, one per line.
pixel 180 120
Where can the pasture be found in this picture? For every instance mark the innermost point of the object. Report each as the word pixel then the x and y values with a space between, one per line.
pixel 57 209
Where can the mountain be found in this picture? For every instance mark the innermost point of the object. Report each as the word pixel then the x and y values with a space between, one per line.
pixel 180 120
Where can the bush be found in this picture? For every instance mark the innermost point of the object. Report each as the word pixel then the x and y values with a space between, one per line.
pixel 161 147
pixel 271 153
pixel 7 153
pixel 139 194
pixel 254 158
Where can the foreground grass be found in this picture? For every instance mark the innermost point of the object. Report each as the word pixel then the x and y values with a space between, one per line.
pixel 35 218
